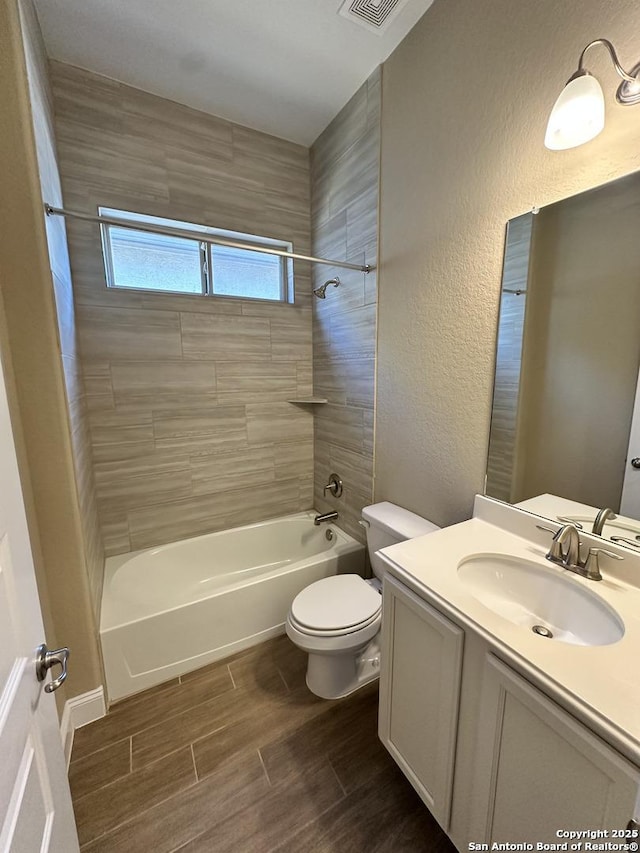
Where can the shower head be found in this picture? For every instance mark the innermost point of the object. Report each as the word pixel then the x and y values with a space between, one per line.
pixel 321 292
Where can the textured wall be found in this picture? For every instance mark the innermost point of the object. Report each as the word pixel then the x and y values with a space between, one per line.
pixel 31 355
pixel 466 97
pixel 345 162
pixel 190 427
pixel 43 118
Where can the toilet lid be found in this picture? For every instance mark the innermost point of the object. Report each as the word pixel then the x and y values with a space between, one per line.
pixel 335 603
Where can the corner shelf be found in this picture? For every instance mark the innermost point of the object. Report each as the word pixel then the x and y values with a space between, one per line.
pixel 309 400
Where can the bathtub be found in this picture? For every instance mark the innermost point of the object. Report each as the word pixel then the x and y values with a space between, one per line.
pixel 174 608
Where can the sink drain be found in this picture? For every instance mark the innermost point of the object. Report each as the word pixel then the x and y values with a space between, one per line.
pixel 542 631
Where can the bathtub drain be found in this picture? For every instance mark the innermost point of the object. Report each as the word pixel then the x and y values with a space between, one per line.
pixel 542 631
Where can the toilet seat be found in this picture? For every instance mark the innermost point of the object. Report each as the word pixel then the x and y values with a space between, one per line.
pixel 341 604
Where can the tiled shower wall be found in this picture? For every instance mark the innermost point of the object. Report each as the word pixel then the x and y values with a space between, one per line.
pixel 345 164
pixel 191 430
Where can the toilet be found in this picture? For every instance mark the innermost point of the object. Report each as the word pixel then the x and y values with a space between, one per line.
pixel 337 620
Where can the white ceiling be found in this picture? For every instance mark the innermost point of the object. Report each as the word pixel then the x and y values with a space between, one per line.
pixel 285 67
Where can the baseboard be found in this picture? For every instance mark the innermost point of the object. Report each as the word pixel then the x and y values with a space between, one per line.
pixel 78 712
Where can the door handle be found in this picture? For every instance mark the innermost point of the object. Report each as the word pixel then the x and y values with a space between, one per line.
pixel 635 463
pixel 45 660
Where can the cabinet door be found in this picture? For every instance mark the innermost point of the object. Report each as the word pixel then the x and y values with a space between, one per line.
pixel 419 693
pixel 538 770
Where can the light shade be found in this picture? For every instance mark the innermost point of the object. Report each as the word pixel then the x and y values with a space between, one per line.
pixel 577 115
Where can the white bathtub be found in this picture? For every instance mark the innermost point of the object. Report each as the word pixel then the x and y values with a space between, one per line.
pixel 174 608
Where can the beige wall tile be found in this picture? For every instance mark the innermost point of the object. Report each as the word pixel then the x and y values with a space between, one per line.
pixel 163 383
pixel 351 334
pixel 120 427
pixel 221 472
pixel 256 382
pixel 273 422
pixel 167 376
pixel 120 451
pixel 127 492
pixel 356 469
pixel 344 131
pixel 117 333
pixel 304 378
pixel 97 385
pixel 224 338
pixel 114 523
pixel 292 458
pixel 201 430
pixel 342 423
pixel 345 170
pixel 153 462
pixel 204 513
pixel 290 343
pixel 346 381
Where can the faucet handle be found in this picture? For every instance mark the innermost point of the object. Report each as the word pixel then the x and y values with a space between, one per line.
pixel 625 541
pixel 604 551
pixel 334 486
pixel 592 564
pixel 556 554
pixel 566 520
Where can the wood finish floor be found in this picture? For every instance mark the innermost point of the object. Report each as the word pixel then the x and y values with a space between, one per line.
pixel 241 757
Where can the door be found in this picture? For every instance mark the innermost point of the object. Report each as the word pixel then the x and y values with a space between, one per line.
pixel 630 502
pixel 419 694
pixel 35 803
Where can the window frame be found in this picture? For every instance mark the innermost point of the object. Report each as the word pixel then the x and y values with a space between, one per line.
pixel 205 248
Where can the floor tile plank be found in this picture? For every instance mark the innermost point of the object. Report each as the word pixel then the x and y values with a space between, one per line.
pixel 284 753
pixel 133 715
pixel 278 814
pixel 190 813
pixel 103 810
pixel 375 817
pixel 277 768
pixel 100 768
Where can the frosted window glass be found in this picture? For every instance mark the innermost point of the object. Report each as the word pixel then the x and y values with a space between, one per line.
pixel 239 272
pixel 154 261
pixel 143 260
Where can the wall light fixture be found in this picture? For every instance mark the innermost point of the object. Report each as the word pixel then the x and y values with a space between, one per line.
pixel 578 114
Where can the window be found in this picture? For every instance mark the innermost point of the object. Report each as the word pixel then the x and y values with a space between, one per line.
pixel 143 260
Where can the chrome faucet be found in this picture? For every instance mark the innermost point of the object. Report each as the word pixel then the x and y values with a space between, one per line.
pixel 569 557
pixel 325 516
pixel 600 519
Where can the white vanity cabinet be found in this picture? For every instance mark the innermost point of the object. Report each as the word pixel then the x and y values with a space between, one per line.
pixel 419 694
pixel 492 756
pixel 538 770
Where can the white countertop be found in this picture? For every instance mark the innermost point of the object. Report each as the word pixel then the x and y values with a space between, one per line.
pixel 599 684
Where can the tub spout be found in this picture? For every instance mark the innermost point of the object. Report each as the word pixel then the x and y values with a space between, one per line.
pixel 326 516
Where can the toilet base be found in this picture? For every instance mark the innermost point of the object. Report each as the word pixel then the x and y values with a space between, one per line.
pixel 333 676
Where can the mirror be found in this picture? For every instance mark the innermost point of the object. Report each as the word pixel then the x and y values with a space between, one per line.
pixel 568 354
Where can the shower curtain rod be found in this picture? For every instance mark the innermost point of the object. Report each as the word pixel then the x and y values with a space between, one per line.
pixel 201 237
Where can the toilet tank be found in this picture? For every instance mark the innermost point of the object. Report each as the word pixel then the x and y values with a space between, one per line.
pixel 388 524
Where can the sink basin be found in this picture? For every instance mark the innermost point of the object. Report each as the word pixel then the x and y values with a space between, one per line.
pixel 548 601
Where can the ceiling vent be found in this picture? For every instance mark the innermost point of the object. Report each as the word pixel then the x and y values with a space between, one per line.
pixel 374 15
